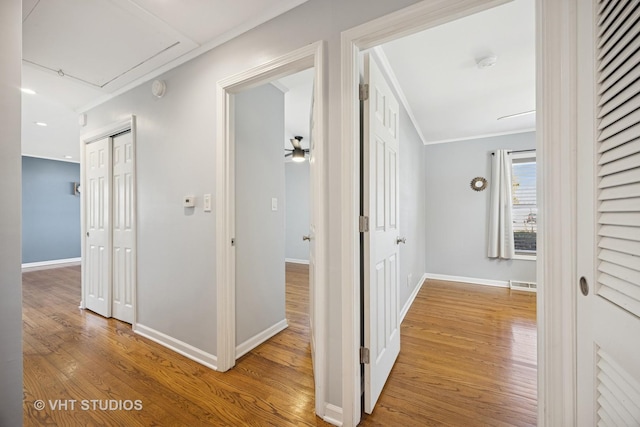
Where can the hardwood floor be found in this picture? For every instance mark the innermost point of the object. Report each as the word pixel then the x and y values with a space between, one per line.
pixel 467 359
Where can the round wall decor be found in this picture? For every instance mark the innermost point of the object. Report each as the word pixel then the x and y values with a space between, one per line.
pixel 478 183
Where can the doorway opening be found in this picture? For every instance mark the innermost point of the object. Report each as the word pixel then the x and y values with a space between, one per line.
pixel 237 228
pixel 368 38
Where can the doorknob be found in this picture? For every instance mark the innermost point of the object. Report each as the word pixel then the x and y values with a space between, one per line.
pixel 401 240
pixel 87 234
pixel 307 238
pixel 584 286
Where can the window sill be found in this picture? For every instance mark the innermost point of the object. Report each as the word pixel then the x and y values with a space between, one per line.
pixel 523 257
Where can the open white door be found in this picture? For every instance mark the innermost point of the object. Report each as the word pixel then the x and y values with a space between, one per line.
pixel 124 266
pixel 380 206
pixel 97 260
pixel 608 294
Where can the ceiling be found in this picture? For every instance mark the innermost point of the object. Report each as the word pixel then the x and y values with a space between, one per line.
pixel 77 53
pixel 73 61
pixel 451 98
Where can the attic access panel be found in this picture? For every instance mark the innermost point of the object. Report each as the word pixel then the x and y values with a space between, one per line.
pixel 102 43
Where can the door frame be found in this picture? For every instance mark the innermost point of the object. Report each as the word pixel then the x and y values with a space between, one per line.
pixel 301 59
pixel 556 142
pixel 108 131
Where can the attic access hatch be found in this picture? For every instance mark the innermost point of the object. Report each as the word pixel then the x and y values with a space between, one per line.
pixel 138 42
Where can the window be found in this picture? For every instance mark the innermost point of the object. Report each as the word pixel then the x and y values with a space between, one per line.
pixel 525 210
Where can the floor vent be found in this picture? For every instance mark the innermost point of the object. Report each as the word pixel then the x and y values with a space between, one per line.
pixel 523 286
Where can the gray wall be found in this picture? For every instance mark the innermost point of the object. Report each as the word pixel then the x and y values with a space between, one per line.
pixel 10 274
pixel 456 216
pixel 50 210
pixel 175 153
pixel 412 208
pixel 297 213
pixel 260 280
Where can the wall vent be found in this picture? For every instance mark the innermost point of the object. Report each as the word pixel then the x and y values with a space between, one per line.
pixel 518 285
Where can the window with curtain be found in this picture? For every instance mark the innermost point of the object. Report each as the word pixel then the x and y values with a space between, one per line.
pixel 524 207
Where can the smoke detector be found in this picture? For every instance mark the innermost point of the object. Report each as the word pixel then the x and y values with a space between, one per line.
pixel 487 61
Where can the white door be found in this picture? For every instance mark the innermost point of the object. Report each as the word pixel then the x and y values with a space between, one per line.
pixel 608 295
pixel 380 205
pixel 123 228
pixel 97 263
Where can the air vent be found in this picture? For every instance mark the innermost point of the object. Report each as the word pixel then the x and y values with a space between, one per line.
pixel 517 285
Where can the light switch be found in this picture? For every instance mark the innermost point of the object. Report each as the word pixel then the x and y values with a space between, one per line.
pixel 274 204
pixel 206 201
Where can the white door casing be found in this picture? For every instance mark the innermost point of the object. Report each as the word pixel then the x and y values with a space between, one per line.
pixel 124 268
pixel 306 57
pixel 380 205
pixel 97 257
pixel 608 257
pixel 312 232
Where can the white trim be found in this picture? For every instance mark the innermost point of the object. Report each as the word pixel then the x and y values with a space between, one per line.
pixel 309 56
pixel 187 350
pixel 418 17
pixel 261 337
pixel 412 297
pixel 557 106
pixel 50 158
pixel 393 80
pixel 522 257
pixel 273 11
pixel 297 261
pixel 333 414
pixel 470 280
pixel 486 135
pixel 54 263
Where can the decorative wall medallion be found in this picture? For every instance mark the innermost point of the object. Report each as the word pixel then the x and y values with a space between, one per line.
pixel 478 183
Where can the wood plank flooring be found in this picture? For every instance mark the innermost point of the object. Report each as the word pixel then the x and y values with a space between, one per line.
pixel 467 359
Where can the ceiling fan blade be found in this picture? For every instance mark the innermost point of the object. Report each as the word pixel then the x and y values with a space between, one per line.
pixel 295 141
pixel 288 155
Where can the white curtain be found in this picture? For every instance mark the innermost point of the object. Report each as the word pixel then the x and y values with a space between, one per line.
pixel 500 222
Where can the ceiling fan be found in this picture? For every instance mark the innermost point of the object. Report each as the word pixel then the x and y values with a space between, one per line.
pixel 297 153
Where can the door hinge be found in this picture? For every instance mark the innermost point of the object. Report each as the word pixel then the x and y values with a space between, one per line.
pixel 364 224
pixel 364 355
pixel 364 92
pixel 233 241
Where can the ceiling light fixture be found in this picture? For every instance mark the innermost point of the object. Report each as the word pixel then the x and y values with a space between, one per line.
pixel 487 61
pixel 524 113
pixel 68 157
pixel 28 91
pixel 40 123
pixel 297 155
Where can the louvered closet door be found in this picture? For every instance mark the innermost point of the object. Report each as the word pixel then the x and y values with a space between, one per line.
pixel 609 215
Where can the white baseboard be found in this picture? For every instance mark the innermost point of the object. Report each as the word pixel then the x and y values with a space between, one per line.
pixel 187 350
pixel 52 263
pixel 474 281
pixel 297 261
pixel 332 414
pixel 258 339
pixel 412 297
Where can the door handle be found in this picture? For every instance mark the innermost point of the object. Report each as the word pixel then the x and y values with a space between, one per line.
pixel 401 240
pixel 307 238
pixel 584 286
pixel 87 234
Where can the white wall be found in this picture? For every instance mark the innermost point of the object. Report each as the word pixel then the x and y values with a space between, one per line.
pixel 10 194
pixel 260 278
pixel 456 216
pixel 175 156
pixel 297 213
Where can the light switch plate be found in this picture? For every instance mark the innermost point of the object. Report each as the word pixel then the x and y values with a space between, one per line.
pixel 274 204
pixel 189 201
pixel 206 201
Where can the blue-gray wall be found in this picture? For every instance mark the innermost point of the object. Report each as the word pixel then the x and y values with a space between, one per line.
pixel 50 210
pixel 260 269
pixel 457 217
pixel 297 210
